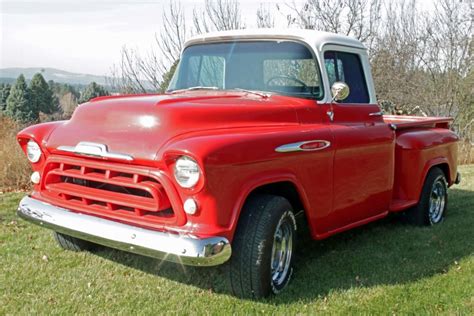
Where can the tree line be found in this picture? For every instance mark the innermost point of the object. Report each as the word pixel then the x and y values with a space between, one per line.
pixel 41 101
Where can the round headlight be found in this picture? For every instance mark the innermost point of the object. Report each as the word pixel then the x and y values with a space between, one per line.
pixel 186 172
pixel 33 151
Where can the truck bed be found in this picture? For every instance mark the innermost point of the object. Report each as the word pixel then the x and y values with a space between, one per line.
pixel 402 121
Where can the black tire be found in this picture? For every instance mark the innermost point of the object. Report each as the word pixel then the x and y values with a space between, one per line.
pixel 253 253
pixel 433 203
pixel 72 243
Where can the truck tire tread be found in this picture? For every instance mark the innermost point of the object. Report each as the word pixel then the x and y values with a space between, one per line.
pixel 252 234
pixel 71 243
pixel 419 214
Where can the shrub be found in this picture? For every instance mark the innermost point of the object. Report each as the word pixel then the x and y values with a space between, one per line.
pixel 466 153
pixel 15 170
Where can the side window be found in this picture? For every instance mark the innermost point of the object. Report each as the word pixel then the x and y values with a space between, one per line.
pixel 207 71
pixel 347 67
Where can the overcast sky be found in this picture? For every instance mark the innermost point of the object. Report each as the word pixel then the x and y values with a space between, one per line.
pixel 84 35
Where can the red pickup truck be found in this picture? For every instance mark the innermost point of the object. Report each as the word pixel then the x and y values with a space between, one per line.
pixel 257 130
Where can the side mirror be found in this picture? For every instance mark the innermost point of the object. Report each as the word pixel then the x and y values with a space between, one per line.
pixel 340 91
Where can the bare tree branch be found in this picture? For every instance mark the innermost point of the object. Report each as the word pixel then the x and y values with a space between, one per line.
pixel 218 15
pixel 265 17
pixel 138 72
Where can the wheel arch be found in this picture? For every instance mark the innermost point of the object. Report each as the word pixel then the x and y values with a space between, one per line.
pixel 441 163
pixel 286 186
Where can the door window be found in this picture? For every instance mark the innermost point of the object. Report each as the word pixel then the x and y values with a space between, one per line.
pixel 346 67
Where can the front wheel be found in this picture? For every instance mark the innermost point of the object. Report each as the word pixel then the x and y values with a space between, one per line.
pixel 431 208
pixel 263 247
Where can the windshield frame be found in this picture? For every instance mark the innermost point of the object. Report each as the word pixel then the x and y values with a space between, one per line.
pixel 321 95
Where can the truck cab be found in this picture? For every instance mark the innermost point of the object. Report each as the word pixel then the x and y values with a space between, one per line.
pixel 257 129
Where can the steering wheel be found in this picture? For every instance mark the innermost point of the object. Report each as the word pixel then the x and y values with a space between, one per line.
pixel 305 86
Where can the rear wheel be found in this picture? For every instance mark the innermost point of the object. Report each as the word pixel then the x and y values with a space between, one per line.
pixel 263 247
pixel 431 208
pixel 72 243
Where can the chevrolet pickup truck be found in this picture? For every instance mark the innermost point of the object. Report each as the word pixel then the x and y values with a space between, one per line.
pixel 260 132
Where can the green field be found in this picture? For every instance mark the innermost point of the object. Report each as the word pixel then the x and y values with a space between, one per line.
pixel 383 268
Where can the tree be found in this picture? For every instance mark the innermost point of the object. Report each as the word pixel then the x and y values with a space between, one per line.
pixel 68 103
pixel 42 97
pixel 265 17
pixel 357 18
pixel 19 106
pixel 4 93
pixel 140 73
pixel 93 90
pixel 173 34
pixel 167 77
pixel 61 89
pixel 218 15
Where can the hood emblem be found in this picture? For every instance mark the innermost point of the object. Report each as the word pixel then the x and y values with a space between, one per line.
pixel 94 150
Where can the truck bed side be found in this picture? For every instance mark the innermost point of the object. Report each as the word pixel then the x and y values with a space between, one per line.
pixel 421 143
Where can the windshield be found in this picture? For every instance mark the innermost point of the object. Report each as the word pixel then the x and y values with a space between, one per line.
pixel 271 66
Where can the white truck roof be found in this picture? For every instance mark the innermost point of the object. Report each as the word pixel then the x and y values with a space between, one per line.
pixel 313 38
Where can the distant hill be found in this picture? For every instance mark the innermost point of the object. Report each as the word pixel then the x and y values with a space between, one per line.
pixel 8 75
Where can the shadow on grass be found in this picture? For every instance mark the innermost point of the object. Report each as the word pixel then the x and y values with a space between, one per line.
pixel 382 253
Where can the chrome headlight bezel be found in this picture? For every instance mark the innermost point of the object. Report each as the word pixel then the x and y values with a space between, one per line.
pixel 187 172
pixel 33 151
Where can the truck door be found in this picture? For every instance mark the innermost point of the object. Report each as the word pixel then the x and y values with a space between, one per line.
pixel 364 146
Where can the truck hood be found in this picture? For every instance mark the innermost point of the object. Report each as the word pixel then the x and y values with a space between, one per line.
pixel 140 125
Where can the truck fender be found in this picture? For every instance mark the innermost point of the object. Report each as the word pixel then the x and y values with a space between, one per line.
pixel 261 180
pixel 39 132
pixel 442 162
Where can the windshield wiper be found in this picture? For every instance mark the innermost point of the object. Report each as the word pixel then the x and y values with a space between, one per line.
pixel 193 88
pixel 262 94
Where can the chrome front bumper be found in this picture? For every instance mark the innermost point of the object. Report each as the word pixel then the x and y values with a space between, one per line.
pixel 184 249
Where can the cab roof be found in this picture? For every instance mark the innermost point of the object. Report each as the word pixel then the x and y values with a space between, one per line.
pixel 313 38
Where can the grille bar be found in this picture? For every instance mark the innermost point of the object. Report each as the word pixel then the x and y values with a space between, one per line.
pixel 154 189
pixel 121 192
pixel 89 194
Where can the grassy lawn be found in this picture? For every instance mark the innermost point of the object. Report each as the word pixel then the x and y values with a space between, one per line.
pixel 386 267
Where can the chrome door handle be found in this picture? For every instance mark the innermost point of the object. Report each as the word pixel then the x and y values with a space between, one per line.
pixel 380 113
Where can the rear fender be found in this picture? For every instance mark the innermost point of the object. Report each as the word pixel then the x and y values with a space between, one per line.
pixel 417 151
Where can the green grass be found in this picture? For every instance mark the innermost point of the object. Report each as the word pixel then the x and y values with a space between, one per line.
pixel 384 268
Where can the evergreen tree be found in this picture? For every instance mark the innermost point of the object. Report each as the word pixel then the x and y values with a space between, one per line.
pixel 4 93
pixel 42 96
pixel 62 89
pixel 19 105
pixel 167 77
pixel 93 90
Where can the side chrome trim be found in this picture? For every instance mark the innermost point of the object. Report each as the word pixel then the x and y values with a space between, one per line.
pixel 300 146
pixel 183 249
pixel 380 113
pixel 95 150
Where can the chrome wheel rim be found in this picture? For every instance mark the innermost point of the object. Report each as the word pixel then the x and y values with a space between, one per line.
pixel 437 200
pixel 282 251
